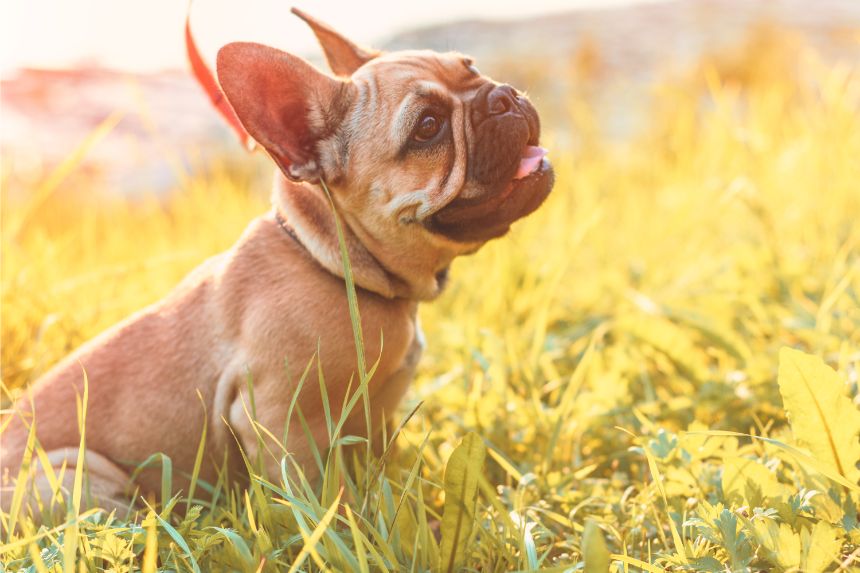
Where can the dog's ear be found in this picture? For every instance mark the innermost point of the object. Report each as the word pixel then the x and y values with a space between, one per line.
pixel 286 104
pixel 343 56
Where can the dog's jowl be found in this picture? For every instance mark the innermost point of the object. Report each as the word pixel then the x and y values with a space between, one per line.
pixel 425 158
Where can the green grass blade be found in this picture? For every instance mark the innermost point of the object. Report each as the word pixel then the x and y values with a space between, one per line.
pixel 462 475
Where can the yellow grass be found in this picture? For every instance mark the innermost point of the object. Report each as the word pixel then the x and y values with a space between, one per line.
pixel 649 296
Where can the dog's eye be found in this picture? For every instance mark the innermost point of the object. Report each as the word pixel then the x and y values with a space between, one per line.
pixel 428 127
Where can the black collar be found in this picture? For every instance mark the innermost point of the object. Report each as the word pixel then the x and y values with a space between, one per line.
pixel 286 228
pixel 441 276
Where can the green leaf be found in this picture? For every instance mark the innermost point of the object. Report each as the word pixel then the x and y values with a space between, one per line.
pixel 177 538
pixel 461 496
pixel 820 547
pixel 238 544
pixel 822 418
pixel 733 540
pixel 751 482
pixel 594 551
pixel 781 544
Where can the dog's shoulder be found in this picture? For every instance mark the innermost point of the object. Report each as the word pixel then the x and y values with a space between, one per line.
pixel 271 288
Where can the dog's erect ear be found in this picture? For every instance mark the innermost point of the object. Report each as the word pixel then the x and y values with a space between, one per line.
pixel 285 103
pixel 343 56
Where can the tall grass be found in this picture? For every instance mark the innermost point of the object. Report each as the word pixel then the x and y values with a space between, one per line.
pixel 617 354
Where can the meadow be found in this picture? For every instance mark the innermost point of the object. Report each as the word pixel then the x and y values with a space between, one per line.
pixel 658 370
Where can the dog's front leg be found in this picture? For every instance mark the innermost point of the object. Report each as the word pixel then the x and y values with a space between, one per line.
pixel 268 432
pixel 389 394
pixel 271 422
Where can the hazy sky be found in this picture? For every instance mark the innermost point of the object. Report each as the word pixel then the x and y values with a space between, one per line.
pixel 147 35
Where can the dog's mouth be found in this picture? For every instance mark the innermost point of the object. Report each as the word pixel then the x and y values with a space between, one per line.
pixel 530 162
pixel 484 218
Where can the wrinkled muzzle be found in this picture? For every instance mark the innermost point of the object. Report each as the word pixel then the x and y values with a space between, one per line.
pixel 508 175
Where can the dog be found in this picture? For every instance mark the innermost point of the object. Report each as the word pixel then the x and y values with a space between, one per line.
pixel 425 159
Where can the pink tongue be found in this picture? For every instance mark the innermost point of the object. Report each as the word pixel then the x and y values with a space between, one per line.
pixel 530 161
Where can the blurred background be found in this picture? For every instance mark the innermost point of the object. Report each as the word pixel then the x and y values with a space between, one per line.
pixel 68 66
pixel 657 113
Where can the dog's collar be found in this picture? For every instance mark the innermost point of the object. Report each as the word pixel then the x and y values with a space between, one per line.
pixel 286 228
pixel 290 231
pixel 305 214
pixel 441 276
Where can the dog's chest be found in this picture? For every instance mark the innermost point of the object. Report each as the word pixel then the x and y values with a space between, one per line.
pixel 416 348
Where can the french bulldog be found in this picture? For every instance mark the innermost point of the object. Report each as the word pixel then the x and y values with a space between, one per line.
pixel 425 159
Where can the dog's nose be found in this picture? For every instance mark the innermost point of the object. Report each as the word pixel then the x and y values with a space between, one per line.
pixel 502 100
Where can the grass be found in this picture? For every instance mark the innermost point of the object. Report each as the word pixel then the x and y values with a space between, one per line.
pixel 616 359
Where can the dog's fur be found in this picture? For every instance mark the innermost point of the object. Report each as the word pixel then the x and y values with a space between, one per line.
pixel 261 311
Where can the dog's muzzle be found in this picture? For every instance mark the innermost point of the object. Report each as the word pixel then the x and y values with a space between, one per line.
pixel 508 175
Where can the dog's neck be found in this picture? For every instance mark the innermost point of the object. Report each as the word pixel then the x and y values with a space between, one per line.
pixel 306 210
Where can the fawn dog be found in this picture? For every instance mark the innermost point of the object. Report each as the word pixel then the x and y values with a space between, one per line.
pixel 425 158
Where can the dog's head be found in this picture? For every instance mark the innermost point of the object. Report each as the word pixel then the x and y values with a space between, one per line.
pixel 425 157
